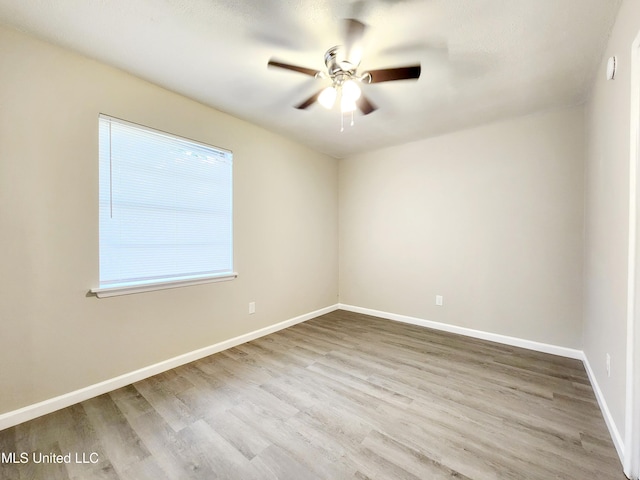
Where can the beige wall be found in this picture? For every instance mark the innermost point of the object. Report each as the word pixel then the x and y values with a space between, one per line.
pixel 490 218
pixel 54 339
pixel 607 215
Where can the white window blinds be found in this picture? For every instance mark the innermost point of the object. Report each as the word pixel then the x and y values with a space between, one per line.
pixel 165 207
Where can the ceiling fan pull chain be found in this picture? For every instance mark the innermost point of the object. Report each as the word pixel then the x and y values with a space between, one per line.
pixel 341 122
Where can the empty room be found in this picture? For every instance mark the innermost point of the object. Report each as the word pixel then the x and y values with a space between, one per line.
pixel 366 239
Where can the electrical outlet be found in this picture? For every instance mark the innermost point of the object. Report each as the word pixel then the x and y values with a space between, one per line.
pixel 439 300
pixel 252 308
pixel 608 365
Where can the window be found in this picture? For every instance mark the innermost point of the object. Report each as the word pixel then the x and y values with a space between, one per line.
pixel 165 210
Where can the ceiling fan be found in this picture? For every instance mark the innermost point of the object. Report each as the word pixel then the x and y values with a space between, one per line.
pixel 342 64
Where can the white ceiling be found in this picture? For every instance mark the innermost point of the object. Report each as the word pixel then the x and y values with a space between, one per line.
pixel 481 60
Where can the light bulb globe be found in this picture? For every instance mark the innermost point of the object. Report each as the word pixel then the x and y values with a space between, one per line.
pixel 351 91
pixel 327 97
pixel 347 105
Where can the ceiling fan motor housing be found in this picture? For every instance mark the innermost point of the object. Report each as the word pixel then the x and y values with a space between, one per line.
pixel 336 62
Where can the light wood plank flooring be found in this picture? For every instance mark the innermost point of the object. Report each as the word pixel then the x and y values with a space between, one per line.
pixel 343 396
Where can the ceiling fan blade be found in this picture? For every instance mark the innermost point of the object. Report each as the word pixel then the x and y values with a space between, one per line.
pixel 353 34
pixel 365 106
pixel 309 101
pixel 391 74
pixel 295 68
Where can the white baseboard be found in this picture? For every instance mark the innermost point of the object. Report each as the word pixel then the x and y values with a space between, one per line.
pixel 493 337
pixel 606 413
pixel 30 412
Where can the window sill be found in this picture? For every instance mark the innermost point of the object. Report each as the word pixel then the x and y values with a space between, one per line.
pixel 130 288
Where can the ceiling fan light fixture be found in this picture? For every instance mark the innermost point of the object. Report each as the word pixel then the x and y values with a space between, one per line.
pixel 327 97
pixel 347 105
pixel 351 91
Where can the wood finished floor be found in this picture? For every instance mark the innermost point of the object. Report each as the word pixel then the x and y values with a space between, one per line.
pixel 343 396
